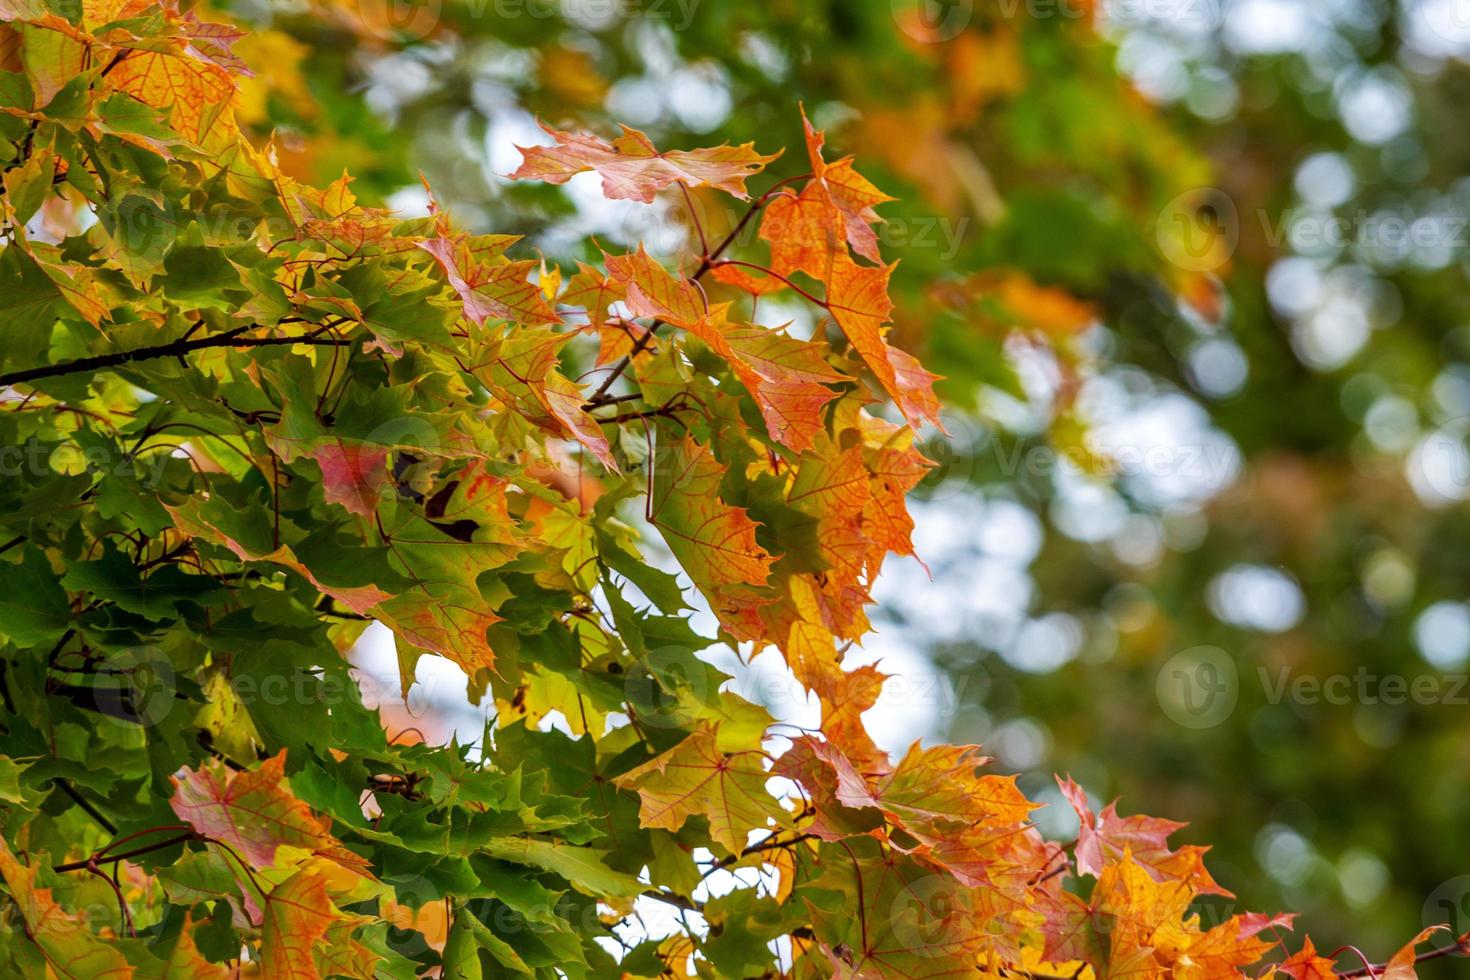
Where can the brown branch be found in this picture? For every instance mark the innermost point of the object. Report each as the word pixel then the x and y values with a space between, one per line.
pixel 1462 945
pixel 175 349
pixel 92 862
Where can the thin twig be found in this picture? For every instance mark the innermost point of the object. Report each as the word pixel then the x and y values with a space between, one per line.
pixel 78 799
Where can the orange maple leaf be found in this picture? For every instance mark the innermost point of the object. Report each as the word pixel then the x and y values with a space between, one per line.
pixel 632 168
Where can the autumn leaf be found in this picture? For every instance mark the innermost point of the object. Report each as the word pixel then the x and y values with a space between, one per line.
pixel 200 519
pixel 788 378
pixel 298 914
pixel 714 542
pixel 935 792
pixel 857 298
pixel 652 291
pixel 197 93
pixel 253 812
pixel 54 52
pixel 71 950
pixel 1104 837
pixel 490 285
pixel 1307 964
pixel 698 778
pixel 632 168
pixel 352 476
pixel 184 962
pixel 1400 966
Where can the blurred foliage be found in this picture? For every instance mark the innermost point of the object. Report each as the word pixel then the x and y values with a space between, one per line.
pixel 1196 235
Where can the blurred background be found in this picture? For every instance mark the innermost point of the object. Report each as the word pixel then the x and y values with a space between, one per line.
pixel 1195 274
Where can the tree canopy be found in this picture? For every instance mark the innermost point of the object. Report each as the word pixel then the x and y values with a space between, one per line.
pixel 250 410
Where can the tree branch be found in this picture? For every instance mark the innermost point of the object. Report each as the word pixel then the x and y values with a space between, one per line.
pixel 1462 945
pixel 176 348
pixel 96 859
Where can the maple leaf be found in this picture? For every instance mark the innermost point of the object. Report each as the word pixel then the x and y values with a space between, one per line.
pixel 809 230
pixel 72 951
pixel 465 529
pixel 788 378
pixel 743 279
pixel 714 542
pixel 653 291
pixel 352 476
pixel 1400 965
pixel 915 923
pixel 184 962
pixel 835 487
pixel 1306 964
pixel 1105 836
pixel 594 293
pixel 849 194
pixel 936 791
pixel 197 93
pixel 444 619
pixel 53 52
pixel 522 370
pixel 798 228
pixel 490 285
pixel 298 914
pixel 857 298
pixel 196 518
pixel 699 778
pixel 834 790
pixel 632 168
pixel 253 812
